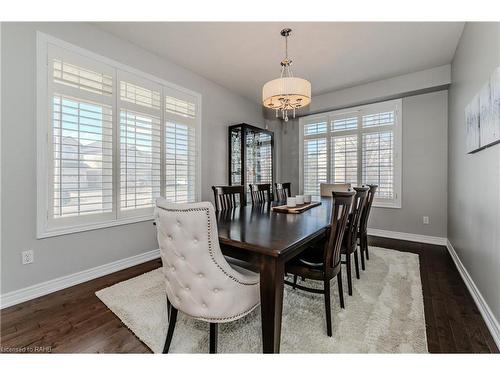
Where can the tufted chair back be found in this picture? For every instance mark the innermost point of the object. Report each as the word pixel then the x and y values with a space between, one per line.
pixel 199 281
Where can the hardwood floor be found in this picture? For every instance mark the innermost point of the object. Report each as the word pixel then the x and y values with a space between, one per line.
pixel 75 320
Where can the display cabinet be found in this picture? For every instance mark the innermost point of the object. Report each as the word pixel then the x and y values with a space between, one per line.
pixel 251 156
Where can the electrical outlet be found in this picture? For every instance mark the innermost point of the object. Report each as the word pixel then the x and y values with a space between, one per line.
pixel 426 219
pixel 28 256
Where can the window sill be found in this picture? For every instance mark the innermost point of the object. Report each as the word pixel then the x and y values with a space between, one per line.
pixel 60 231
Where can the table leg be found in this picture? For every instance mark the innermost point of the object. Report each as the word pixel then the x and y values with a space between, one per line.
pixel 272 272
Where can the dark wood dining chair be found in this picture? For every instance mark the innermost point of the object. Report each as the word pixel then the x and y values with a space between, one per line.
pixel 260 193
pixel 363 226
pixel 350 241
pixel 227 197
pixel 323 262
pixel 283 190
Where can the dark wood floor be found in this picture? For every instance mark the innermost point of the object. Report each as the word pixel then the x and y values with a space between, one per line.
pixel 75 320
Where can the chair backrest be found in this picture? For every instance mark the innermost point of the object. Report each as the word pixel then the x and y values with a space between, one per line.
pixel 227 197
pixel 260 193
pixel 283 190
pixel 327 189
pixel 341 207
pixel 358 205
pixel 199 281
pixel 363 225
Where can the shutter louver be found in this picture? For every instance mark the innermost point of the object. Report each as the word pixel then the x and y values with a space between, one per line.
pixel 139 95
pixel 344 159
pixel 378 162
pixel 180 146
pixel 315 164
pixel 68 74
pixel 140 144
pixel 180 107
pixel 83 156
pixel 139 160
pixel 180 162
pixel 82 138
pixel 345 124
pixel 378 119
pixel 316 128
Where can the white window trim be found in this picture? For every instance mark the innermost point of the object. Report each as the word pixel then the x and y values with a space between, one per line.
pixel 398 140
pixel 42 132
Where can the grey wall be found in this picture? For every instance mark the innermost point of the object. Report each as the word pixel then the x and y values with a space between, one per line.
pixel 58 256
pixel 424 173
pixel 474 180
pixel 395 87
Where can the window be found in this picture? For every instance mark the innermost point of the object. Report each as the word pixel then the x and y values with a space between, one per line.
pixel 140 144
pixel 360 145
pixel 110 141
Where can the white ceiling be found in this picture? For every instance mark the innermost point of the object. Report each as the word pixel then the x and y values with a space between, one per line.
pixel 243 56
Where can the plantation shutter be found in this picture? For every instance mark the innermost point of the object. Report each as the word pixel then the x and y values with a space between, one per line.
pixel 344 149
pixel 181 111
pixel 378 152
pixel 80 137
pixel 357 145
pixel 140 144
pixel 315 155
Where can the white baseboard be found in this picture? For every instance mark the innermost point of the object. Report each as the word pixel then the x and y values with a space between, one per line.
pixel 408 236
pixel 47 287
pixel 483 307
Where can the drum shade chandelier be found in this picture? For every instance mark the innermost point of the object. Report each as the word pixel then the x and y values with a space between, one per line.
pixel 287 93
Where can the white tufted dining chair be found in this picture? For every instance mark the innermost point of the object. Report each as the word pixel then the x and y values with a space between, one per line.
pixel 199 281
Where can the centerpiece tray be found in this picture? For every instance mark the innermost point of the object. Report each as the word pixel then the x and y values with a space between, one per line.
pixel 295 210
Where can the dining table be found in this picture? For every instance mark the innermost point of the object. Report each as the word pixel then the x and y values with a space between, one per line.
pixel 266 240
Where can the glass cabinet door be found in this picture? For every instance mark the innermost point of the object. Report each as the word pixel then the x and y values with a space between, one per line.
pixel 235 137
pixel 250 156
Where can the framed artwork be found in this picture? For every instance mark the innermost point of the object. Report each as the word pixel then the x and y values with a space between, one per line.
pixel 490 133
pixel 472 125
pixel 482 116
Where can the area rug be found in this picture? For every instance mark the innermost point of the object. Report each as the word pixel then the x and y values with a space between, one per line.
pixel 384 315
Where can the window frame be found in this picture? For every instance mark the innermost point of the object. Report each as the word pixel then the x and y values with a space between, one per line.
pixel 45 226
pixel 359 111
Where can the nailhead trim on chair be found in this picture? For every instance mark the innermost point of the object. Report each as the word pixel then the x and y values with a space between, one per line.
pixel 226 319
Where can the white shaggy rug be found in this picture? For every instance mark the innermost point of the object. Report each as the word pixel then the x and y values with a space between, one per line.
pixel 384 315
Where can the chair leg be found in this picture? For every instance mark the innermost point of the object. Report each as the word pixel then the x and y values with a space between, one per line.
pixel 213 338
pixel 365 244
pixel 349 274
pixel 362 253
pixel 328 307
pixel 356 263
pixel 341 290
pixel 169 306
pixel 294 281
pixel 171 326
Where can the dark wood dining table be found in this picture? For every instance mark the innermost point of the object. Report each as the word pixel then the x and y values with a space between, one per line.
pixel 267 240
